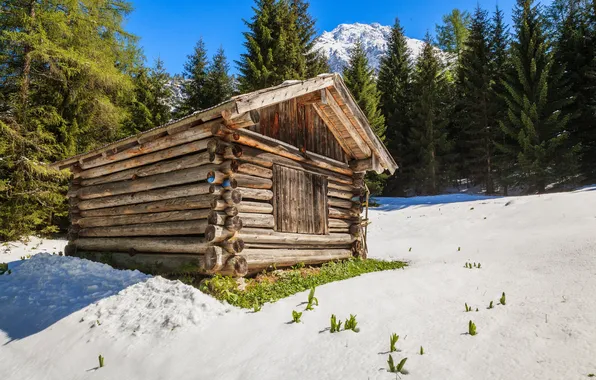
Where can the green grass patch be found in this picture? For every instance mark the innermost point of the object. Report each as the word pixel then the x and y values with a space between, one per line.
pixel 273 286
pixel 3 268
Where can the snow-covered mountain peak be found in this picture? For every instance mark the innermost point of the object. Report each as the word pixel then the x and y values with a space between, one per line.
pixel 337 43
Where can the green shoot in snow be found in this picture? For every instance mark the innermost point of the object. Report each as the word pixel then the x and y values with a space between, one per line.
pixel 312 299
pixel 399 368
pixel 296 316
pixel 471 328
pixel 502 300
pixel 490 306
pixel 421 350
pixel 335 325
pixel 351 324
pixel 101 361
pixel 392 341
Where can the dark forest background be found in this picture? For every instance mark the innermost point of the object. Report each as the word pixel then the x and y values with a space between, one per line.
pixel 487 106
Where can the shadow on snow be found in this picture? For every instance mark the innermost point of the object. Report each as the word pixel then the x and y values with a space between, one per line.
pixel 47 288
pixel 391 204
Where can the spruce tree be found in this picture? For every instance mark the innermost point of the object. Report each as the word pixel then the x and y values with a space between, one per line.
pixel 159 106
pixel 195 75
pixel 140 118
pixel 478 120
pixel 575 51
pixel 428 136
pixel 394 84
pixel 219 84
pixel 316 61
pixel 359 78
pixel 504 161
pixel 279 45
pixel 536 99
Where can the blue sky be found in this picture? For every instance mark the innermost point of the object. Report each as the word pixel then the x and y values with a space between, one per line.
pixel 170 29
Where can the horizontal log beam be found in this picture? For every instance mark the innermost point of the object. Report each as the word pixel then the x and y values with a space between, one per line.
pixel 148 196
pixel 255 170
pixel 178 177
pixel 195 133
pixel 157 217
pixel 254 207
pixel 252 182
pixel 340 213
pixel 259 259
pixel 256 235
pixel 146 159
pixel 257 220
pixel 341 203
pixel 203 201
pixel 153 263
pixel 145 244
pixel 187 227
pixel 256 194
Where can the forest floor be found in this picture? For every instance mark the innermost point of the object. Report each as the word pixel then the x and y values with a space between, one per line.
pixel 57 314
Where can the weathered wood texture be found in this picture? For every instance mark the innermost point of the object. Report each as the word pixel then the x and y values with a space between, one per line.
pixel 300 201
pixel 145 244
pixel 148 196
pixel 299 125
pixel 260 235
pixel 157 217
pixel 259 259
pixel 203 201
pixel 186 227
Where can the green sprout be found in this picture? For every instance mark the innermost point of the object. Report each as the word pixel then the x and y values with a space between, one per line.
pixel 472 328
pixel 351 324
pixel 335 324
pixel 490 305
pixel 502 300
pixel 399 368
pixel 312 299
pixel 101 361
pixel 421 350
pixel 296 316
pixel 392 341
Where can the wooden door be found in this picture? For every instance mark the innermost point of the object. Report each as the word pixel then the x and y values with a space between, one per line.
pixel 299 201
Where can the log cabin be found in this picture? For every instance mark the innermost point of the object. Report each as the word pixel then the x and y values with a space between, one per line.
pixel 272 178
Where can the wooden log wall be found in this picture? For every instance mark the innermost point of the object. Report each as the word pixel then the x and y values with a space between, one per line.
pixel 204 202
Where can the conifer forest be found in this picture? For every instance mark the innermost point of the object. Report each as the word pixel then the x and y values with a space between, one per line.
pixel 498 105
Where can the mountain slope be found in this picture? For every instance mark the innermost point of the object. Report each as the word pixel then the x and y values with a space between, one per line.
pixel 337 43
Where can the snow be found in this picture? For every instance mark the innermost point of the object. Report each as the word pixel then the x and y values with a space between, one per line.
pixel 539 250
pixel 337 43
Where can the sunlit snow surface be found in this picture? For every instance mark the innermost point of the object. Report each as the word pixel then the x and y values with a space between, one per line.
pixel 539 250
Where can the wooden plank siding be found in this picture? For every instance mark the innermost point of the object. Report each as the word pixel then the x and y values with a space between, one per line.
pixel 299 124
pixel 299 201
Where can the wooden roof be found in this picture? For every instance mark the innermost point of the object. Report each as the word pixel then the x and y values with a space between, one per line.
pixel 333 102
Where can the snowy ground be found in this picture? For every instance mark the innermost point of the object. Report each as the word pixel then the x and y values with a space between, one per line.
pixel 58 314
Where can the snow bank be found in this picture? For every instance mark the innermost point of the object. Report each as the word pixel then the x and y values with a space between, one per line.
pixel 156 306
pixel 47 288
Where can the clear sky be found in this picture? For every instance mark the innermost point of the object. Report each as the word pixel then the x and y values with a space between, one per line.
pixel 170 29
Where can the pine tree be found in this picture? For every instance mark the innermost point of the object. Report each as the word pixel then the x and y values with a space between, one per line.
pixel 360 80
pixel 316 61
pixel 452 35
pixel 504 162
pixel 256 66
pixel 575 50
pixel 536 98
pixel 159 106
pixel 219 84
pixel 478 120
pixel 394 84
pixel 279 45
pixel 140 118
pixel 428 134
pixel 193 89
pixel 64 89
